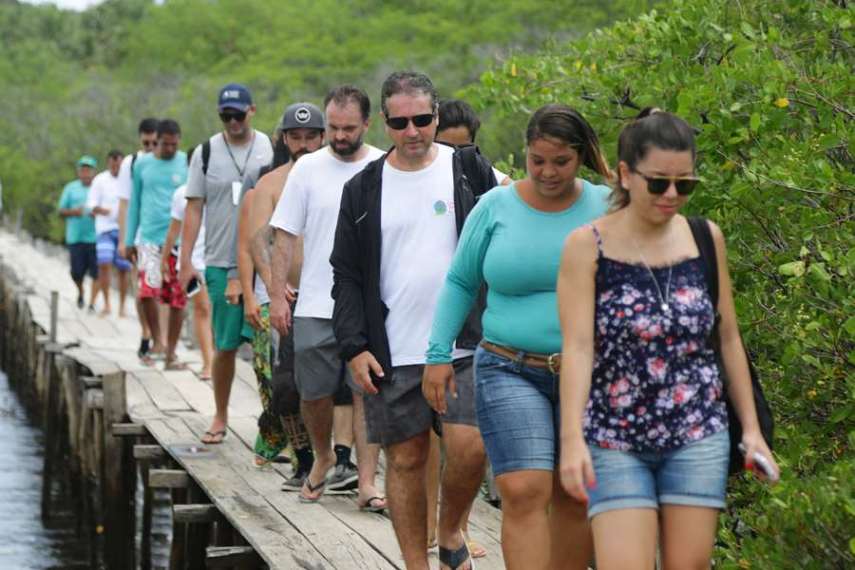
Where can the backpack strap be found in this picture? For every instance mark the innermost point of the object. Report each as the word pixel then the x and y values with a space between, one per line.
pixel 206 156
pixel 477 170
pixel 703 239
pixel 133 162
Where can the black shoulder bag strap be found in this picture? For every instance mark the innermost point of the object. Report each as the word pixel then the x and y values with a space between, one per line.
pixel 706 246
pixel 477 170
pixel 206 156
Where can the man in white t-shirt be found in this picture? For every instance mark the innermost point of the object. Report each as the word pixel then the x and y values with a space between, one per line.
pixel 103 201
pixel 308 208
pixel 398 228
pixel 147 131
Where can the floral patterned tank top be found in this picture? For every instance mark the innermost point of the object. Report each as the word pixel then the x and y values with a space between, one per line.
pixel 655 384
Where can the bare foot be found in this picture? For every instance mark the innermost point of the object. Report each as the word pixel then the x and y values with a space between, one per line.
pixel 122 314
pixel 105 312
pixel 205 374
pixel 475 549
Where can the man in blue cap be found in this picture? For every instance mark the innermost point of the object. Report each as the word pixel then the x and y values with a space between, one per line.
pixel 80 228
pixel 217 172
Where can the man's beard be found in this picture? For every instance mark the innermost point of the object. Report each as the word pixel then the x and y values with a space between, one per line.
pixel 295 156
pixel 348 149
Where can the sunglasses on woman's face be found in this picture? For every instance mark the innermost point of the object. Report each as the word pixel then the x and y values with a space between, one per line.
pixel 658 185
pixel 227 116
pixel 400 123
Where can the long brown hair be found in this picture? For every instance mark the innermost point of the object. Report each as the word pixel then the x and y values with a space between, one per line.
pixel 570 127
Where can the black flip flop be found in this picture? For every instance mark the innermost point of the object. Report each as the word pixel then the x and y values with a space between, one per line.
pixel 213 434
pixel 454 559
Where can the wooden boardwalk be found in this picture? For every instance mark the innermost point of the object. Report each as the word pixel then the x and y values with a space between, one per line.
pixel 266 527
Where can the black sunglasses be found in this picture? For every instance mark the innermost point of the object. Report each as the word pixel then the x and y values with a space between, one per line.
pixel 658 185
pixel 238 116
pixel 400 123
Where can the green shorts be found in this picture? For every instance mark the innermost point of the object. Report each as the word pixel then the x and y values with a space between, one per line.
pixel 227 320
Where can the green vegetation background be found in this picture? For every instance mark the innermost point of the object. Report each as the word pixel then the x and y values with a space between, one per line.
pixel 767 83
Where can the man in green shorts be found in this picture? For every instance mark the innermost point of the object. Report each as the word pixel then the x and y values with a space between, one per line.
pixel 217 172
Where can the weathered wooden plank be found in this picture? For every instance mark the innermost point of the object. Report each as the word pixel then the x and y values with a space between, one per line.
pixel 97 365
pixel 148 452
pixel 161 391
pixel 340 544
pixel 231 556
pixel 168 478
pixel 279 543
pixel 196 393
pixel 197 513
pixel 128 429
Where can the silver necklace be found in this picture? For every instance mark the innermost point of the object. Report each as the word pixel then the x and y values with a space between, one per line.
pixel 663 299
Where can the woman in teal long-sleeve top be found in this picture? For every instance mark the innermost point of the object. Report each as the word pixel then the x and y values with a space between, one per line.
pixel 512 241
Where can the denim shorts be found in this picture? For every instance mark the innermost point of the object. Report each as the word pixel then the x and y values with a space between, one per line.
pixel 693 475
pixel 517 410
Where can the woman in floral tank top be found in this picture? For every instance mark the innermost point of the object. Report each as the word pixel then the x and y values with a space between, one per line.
pixel 644 425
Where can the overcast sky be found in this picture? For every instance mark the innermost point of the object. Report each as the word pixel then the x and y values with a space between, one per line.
pixel 69 4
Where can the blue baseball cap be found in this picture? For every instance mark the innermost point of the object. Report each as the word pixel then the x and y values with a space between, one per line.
pixel 234 96
pixel 87 160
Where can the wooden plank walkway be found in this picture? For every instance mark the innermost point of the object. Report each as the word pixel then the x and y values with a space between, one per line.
pixel 176 407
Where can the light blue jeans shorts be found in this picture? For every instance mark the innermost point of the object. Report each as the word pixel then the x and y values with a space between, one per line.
pixel 694 475
pixel 517 408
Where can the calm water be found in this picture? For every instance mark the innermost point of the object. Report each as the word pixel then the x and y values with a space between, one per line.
pixel 24 542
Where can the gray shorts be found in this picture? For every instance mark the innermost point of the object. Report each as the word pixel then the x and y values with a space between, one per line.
pixel 399 411
pixel 318 369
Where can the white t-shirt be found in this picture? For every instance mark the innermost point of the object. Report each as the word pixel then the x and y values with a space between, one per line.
pixel 104 193
pixel 126 183
pixel 419 236
pixel 179 206
pixel 309 207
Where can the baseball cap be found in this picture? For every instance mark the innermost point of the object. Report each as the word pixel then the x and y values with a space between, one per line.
pixel 87 160
pixel 302 116
pixel 234 96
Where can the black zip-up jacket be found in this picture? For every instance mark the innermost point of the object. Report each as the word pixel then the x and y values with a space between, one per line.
pixel 359 316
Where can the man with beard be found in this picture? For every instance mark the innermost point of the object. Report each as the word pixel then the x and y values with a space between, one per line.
pixel 300 132
pixel 217 172
pixel 156 176
pixel 309 208
pixel 397 232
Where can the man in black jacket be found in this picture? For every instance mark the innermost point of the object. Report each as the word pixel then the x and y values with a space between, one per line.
pixel 387 273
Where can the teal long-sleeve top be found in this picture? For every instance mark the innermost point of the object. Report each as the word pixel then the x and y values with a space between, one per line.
pixel 516 250
pixel 155 181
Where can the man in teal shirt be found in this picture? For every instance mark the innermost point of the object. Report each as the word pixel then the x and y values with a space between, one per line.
pixel 156 176
pixel 80 228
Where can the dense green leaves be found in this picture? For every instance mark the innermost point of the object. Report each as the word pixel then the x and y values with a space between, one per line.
pixel 768 85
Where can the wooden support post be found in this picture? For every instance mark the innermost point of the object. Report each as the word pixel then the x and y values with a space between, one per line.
pixel 50 416
pixel 200 518
pixel 195 513
pixel 54 314
pixel 148 452
pixel 118 483
pixel 230 556
pixel 129 430
pixel 179 531
pixel 148 499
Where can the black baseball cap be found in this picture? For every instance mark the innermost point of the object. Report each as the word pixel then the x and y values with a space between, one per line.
pixel 234 96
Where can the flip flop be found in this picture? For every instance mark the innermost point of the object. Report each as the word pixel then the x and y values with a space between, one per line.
pixel 454 559
pixel 173 365
pixel 146 360
pixel 319 488
pixel 369 507
pixel 214 434
pixel 204 377
pixel 475 549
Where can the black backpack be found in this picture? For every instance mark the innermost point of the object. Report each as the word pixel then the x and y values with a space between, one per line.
pixel 704 240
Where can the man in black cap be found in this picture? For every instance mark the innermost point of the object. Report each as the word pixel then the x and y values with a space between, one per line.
pixel 300 132
pixel 217 171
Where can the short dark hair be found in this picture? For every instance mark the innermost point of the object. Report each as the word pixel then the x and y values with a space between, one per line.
pixel 115 153
pixel 168 127
pixel 147 125
pixel 567 125
pixel 651 128
pixel 407 82
pixel 344 94
pixel 458 113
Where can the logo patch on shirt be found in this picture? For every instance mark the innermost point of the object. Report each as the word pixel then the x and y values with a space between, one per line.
pixel 440 208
